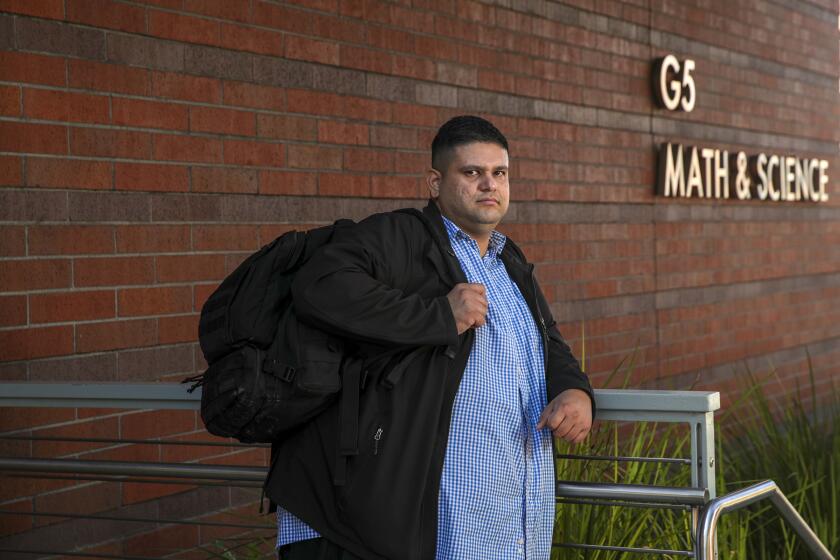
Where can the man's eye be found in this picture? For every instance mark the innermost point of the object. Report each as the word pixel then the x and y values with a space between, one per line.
pixel 471 173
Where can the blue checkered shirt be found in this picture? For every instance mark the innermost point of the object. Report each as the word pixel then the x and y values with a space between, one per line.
pixel 496 496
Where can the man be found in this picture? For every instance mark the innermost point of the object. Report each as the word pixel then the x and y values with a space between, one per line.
pixel 441 444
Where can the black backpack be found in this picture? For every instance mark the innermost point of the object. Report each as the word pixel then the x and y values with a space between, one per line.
pixel 267 372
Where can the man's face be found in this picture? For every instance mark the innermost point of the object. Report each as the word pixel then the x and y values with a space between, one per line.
pixel 473 190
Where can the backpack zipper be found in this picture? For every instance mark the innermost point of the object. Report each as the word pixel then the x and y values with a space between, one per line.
pixel 376 437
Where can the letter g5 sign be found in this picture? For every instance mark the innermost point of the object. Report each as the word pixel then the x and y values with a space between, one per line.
pixel 673 85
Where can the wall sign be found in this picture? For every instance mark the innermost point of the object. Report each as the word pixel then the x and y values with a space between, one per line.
pixel 704 172
pixel 673 83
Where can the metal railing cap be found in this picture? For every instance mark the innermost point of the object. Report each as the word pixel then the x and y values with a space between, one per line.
pixel 657 401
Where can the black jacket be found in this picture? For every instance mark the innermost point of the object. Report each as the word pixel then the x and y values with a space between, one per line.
pixel 383 285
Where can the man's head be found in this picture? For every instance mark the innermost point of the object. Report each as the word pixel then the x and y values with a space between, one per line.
pixel 469 174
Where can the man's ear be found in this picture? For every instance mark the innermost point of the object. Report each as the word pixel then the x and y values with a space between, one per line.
pixel 433 179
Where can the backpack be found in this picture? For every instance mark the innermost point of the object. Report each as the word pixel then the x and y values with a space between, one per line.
pixel 267 372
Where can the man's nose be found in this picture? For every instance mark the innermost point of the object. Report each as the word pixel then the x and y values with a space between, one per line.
pixel 486 183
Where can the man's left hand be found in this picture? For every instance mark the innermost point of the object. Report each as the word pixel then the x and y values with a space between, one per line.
pixel 568 415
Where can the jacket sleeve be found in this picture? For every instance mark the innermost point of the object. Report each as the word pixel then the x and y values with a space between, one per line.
pixel 351 287
pixel 562 368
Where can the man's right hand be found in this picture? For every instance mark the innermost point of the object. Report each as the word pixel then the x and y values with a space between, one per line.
pixel 469 305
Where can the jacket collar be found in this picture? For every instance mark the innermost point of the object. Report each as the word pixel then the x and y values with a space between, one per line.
pixel 511 254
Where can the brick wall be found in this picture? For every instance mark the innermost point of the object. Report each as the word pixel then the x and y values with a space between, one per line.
pixel 147 147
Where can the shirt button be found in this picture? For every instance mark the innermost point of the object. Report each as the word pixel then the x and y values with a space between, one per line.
pixel 520 541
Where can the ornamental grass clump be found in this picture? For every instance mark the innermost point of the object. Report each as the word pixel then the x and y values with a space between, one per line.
pixel 796 446
pixel 757 439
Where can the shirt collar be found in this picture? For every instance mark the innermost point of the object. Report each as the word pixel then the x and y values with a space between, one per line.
pixel 494 246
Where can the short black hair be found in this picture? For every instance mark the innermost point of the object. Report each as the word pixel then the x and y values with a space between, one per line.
pixel 464 129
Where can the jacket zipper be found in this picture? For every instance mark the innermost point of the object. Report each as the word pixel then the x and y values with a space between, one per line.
pixel 376 437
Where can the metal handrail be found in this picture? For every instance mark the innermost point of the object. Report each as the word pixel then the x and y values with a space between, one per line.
pixel 695 408
pixel 633 493
pixel 122 468
pixel 707 531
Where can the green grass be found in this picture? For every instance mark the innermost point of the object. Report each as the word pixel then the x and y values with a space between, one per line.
pixel 757 439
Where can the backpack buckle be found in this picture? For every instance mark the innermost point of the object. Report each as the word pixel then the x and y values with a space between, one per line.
pixel 288 374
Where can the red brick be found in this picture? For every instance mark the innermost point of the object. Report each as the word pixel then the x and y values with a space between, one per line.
pixel 64 307
pixel 238 10
pixel 272 15
pixel 178 328
pixel 314 102
pixel 154 301
pixel 68 173
pixel 29 344
pixel 149 114
pixel 183 28
pixel 157 424
pixel 65 106
pixel 107 13
pixel 343 184
pixel 185 268
pixel 85 74
pixel 10 101
pixel 137 492
pixel 416 115
pixel 32 68
pixel 194 451
pixel 13 418
pixel 224 179
pixel 314 157
pixel 244 152
pixel 288 182
pixel 365 159
pixel 12 312
pixel 10 171
pixel 12 241
pixel 222 121
pixel 151 177
pixel 414 67
pixel 110 143
pixel 87 499
pixel 162 542
pixel 94 428
pixel 111 335
pixel 153 239
pixel 201 292
pixel 332 132
pixel 366 109
pixel 408 162
pixel 366 59
pixel 224 238
pixel 395 137
pixel 24 487
pixel 33 138
pixel 70 240
pixel 319 5
pixel 251 39
pixel 114 271
pixel 50 9
pixel 42 274
pixel 187 88
pixel 242 94
pixel 390 39
pixel 287 127
pixel 14 524
pixel 187 148
pixel 303 48
pixel 390 186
